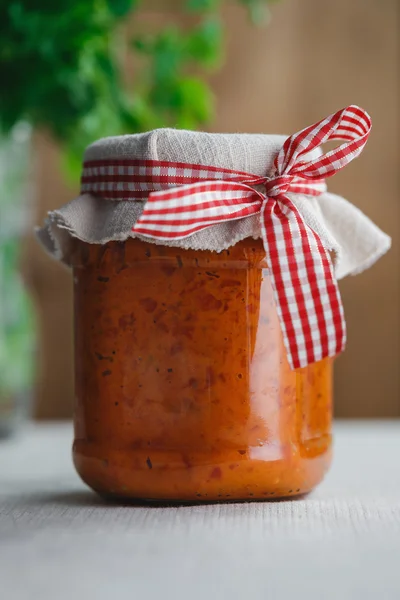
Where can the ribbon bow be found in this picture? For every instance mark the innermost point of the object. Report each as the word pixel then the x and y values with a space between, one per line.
pixel 183 199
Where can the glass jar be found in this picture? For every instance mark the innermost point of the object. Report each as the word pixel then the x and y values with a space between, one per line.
pixel 183 389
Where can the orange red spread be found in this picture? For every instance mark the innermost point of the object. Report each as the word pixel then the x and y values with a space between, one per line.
pixel 183 390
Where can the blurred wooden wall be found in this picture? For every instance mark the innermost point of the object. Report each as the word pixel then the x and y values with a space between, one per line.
pixel 314 58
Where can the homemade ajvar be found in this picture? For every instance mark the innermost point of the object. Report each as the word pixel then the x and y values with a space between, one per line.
pixel 183 389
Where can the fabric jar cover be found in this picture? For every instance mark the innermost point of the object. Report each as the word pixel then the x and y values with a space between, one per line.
pixel 208 191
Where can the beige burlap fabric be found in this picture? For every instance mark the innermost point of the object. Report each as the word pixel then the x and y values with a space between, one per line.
pixel 354 240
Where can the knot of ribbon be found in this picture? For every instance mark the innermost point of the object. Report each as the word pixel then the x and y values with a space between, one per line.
pixel 181 199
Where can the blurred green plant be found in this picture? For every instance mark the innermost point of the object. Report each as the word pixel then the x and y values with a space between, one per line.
pixel 61 65
pixel 17 330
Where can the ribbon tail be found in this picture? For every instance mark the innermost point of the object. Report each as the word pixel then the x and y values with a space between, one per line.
pixel 305 288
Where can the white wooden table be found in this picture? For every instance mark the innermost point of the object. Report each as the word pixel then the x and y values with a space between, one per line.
pixel 58 541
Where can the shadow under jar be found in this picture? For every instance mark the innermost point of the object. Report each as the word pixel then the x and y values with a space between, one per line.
pixel 183 389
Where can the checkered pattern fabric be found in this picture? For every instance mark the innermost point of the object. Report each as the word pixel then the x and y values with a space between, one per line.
pixel 181 199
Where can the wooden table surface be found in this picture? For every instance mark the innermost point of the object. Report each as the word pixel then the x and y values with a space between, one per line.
pixel 59 541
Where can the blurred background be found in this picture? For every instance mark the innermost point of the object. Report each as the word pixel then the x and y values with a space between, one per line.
pixel 88 69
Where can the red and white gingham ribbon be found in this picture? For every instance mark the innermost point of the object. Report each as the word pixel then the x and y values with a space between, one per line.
pixel 182 199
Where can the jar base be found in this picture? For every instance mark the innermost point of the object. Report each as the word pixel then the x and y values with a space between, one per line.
pixel 249 480
pixel 157 503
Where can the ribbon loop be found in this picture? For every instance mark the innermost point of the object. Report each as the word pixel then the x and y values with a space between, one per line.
pixel 352 124
pixel 182 199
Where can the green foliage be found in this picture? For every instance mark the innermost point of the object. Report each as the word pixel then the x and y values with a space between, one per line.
pixel 16 314
pixel 202 5
pixel 60 64
pixel 258 10
pixel 16 325
pixel 120 8
pixel 204 43
pixel 61 69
